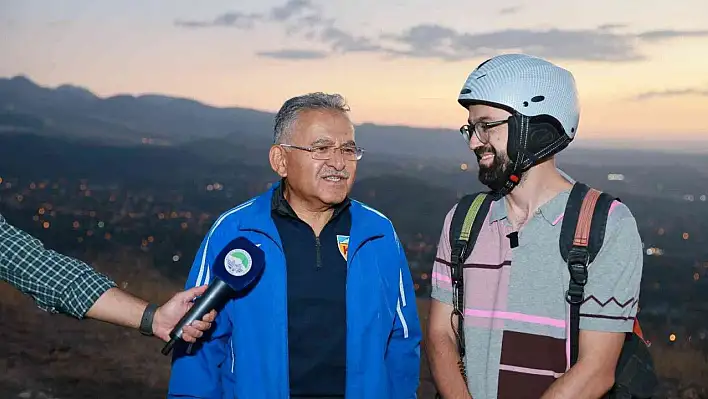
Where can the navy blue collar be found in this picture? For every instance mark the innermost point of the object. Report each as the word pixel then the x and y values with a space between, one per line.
pixel 280 204
pixel 367 223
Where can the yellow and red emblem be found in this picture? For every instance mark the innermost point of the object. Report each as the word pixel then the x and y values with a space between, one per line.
pixel 343 244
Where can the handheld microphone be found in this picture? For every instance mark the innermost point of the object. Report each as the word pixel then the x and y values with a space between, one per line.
pixel 236 267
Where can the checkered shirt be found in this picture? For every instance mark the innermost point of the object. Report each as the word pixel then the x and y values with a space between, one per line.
pixel 57 283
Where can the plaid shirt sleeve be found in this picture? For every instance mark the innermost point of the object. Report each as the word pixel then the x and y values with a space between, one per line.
pixel 57 283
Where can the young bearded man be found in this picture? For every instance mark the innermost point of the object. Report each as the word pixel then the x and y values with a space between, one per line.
pixel 522 111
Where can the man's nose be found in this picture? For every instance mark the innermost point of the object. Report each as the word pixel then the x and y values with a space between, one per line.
pixel 475 142
pixel 336 160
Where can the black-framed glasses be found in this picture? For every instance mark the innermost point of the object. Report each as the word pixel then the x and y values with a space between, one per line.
pixel 481 130
pixel 325 152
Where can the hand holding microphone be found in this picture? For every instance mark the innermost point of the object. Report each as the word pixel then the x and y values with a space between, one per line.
pixel 169 314
pixel 236 267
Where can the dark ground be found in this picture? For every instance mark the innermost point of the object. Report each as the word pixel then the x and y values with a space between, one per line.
pixel 56 357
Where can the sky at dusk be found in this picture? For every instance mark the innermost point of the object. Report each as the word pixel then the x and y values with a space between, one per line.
pixel 640 66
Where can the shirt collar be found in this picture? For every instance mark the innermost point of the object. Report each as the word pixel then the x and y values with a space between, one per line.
pixel 552 211
pixel 280 205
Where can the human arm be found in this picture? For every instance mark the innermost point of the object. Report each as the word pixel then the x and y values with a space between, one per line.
pixel 608 312
pixel 123 309
pixel 57 283
pixel 62 284
pixel 403 354
pixel 443 356
pixel 593 375
pixel 441 344
pixel 195 367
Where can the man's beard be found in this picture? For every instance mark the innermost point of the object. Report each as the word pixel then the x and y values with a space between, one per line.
pixel 495 175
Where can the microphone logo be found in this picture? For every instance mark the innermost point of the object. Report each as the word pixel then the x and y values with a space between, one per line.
pixel 238 262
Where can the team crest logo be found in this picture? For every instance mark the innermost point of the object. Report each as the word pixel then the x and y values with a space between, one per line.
pixel 343 244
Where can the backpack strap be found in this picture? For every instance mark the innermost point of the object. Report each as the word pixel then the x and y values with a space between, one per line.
pixel 581 238
pixel 465 226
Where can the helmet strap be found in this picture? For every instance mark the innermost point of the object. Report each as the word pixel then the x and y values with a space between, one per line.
pixel 531 140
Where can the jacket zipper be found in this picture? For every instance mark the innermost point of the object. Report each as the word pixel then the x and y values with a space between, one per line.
pixel 284 333
pixel 317 248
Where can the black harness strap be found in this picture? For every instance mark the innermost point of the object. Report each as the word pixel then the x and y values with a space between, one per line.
pixel 582 236
pixel 465 226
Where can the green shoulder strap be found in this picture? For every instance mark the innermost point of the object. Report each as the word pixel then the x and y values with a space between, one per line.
pixel 465 226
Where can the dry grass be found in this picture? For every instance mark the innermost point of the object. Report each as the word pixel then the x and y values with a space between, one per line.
pixel 87 359
pixel 685 365
pixel 90 359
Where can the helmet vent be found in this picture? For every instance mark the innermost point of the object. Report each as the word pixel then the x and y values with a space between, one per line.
pixel 538 99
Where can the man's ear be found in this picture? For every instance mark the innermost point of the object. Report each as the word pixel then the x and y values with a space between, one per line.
pixel 278 161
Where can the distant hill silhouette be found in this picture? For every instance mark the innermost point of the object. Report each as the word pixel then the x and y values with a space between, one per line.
pixel 75 112
pixel 71 111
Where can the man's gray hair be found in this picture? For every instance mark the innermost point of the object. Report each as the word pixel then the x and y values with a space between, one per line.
pixel 288 113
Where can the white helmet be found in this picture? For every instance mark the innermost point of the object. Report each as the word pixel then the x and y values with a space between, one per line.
pixel 528 85
pixel 543 101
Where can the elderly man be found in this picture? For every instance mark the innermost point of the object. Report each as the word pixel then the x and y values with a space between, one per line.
pixel 334 313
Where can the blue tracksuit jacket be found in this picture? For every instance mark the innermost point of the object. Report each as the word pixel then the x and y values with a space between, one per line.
pixel 245 354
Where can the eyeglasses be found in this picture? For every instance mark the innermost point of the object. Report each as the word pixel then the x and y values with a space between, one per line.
pixel 481 130
pixel 325 152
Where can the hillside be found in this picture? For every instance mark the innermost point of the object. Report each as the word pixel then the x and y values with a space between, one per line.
pixel 73 112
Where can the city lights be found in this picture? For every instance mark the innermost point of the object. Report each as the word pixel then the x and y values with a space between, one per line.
pixel 104 218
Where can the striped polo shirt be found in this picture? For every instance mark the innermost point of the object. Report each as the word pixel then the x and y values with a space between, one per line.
pixel 516 317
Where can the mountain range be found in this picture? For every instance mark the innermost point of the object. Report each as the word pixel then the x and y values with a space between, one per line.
pixel 75 113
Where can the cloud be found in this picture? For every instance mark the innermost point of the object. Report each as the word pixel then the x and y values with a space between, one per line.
pixel 293 11
pixel 229 19
pixel 603 44
pixel 294 54
pixel 297 16
pixel 431 41
pixel 425 41
pixel 510 10
pixel 344 42
pixel 611 26
pixel 671 93
pixel 656 35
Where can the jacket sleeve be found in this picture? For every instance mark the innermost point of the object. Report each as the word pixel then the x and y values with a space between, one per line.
pixel 57 283
pixel 403 354
pixel 196 368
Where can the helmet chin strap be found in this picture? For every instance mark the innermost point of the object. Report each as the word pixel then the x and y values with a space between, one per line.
pixel 531 140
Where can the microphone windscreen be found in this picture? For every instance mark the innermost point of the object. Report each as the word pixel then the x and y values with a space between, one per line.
pixel 239 263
